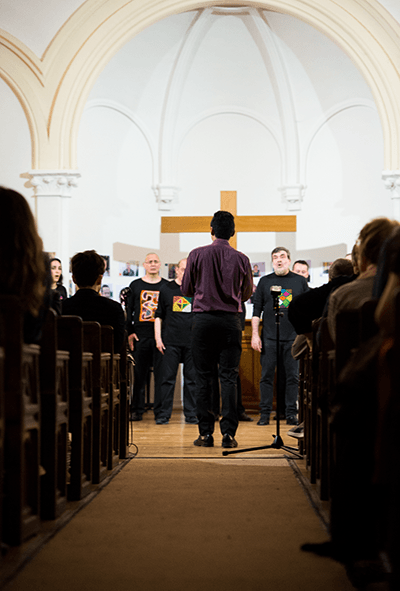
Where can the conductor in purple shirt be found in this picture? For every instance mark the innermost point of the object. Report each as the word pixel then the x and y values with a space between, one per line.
pixel 219 278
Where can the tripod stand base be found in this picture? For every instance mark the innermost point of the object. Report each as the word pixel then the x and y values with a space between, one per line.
pixel 276 444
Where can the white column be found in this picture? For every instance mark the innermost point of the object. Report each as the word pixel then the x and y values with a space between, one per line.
pixel 391 178
pixel 53 190
pixel 293 196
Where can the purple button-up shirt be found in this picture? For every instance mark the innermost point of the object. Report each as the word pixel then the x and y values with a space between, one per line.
pixel 219 277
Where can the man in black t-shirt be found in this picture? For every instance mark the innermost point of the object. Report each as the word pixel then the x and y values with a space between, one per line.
pixel 290 285
pixel 172 330
pixel 141 305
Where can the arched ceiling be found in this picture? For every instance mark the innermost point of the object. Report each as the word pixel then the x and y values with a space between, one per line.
pixel 54 90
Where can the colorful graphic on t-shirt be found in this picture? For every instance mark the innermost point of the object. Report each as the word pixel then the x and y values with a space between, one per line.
pixel 148 305
pixel 285 298
pixel 182 304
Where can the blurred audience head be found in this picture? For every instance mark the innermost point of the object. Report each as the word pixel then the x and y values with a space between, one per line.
pixel 340 267
pixel 371 239
pixel 21 252
pixel 87 268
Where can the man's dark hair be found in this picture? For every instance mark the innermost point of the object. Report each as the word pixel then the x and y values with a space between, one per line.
pixel 278 249
pixel 223 224
pixel 86 267
pixel 301 262
pixel 340 267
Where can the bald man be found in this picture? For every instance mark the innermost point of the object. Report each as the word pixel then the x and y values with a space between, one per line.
pixel 141 306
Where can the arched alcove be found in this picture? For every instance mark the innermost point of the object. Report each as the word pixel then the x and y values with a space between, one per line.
pixel 54 90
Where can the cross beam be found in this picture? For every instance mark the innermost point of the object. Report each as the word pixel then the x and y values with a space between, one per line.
pixel 243 223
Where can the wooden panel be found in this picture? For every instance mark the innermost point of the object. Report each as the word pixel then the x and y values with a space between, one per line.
pixel 250 372
pixel 101 394
pixel 21 488
pixel 54 420
pixel 176 225
pixel 265 223
pixel 107 346
pixel 70 338
pixel 229 201
pixel 247 223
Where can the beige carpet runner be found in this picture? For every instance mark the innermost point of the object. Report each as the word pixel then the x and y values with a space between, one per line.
pixel 190 525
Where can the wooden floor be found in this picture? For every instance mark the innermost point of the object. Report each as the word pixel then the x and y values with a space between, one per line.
pixel 175 440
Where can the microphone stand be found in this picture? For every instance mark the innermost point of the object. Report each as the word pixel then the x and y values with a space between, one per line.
pixel 278 441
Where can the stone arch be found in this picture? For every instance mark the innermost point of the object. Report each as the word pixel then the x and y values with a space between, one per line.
pixel 65 75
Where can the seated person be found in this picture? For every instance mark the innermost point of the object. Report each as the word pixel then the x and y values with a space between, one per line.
pixel 25 269
pixel 353 296
pixel 87 272
pixel 310 305
pixel 387 281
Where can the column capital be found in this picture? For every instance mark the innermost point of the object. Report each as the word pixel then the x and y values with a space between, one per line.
pixel 53 183
pixel 166 196
pixel 293 195
pixel 391 179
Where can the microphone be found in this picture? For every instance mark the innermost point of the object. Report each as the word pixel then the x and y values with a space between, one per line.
pixel 276 290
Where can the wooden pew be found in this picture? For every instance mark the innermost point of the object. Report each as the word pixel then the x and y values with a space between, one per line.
pixel 324 392
pixel 353 328
pixel 107 345
pixel 2 426
pixel 21 487
pixel 54 420
pixel 303 363
pixel 387 440
pixel 101 399
pixel 310 410
pixel 70 338
pixel 124 403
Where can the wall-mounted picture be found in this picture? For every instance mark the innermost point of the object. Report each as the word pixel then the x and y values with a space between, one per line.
pixel 106 290
pixel 258 269
pixel 171 270
pixel 129 269
pixel 325 268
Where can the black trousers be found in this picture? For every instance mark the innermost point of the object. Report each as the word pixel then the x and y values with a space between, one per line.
pixel 217 340
pixel 289 377
pixel 173 356
pixel 146 355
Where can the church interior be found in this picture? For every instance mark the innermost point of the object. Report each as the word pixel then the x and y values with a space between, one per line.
pixel 123 123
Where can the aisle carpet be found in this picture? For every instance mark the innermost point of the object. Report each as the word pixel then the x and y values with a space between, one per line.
pixel 189 525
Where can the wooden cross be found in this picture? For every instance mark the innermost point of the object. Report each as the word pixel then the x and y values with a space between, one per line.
pixel 243 223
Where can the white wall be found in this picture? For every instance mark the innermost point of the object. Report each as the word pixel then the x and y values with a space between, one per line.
pixel 228 136
pixel 15 144
pixel 226 133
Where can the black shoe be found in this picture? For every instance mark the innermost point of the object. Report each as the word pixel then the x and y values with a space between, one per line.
pixel 327 549
pixel 162 421
pixel 229 441
pixel 136 417
pixel 245 417
pixel 297 432
pixel 264 420
pixel 204 441
pixel 291 421
pixel 192 420
pixel 281 417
